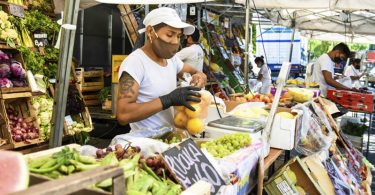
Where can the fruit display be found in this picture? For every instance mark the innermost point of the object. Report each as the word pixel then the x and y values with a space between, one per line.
pixel 227 144
pixel 22 128
pixel 301 95
pixel 43 107
pixel 121 152
pixel 173 140
pixel 254 113
pixel 250 97
pixel 157 166
pixel 298 82
pixel 13 172
pixel 193 121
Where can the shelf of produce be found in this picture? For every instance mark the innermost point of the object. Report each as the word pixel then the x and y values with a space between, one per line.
pixel 27 125
pixel 18 57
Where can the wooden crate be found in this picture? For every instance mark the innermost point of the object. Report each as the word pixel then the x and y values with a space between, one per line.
pixel 84 117
pixel 18 57
pixel 92 80
pixel 129 21
pixel 24 107
pixel 38 179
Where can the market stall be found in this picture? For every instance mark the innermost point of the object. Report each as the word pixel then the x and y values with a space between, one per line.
pixel 225 146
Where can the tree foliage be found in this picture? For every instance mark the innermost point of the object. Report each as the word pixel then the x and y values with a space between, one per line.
pixel 317 47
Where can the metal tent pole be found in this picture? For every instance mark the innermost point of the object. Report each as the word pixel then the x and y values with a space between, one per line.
pixel 247 39
pixel 63 74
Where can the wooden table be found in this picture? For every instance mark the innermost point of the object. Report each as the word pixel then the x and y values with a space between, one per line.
pixel 268 161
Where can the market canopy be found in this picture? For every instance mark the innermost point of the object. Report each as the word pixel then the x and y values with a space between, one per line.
pixel 151 1
pixel 324 36
pixel 311 4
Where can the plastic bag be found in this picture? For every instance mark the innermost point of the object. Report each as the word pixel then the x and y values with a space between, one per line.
pixel 310 138
pixel 193 121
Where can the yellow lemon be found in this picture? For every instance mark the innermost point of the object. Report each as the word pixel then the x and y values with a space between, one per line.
pixel 193 114
pixel 286 115
pixel 195 126
pixel 180 120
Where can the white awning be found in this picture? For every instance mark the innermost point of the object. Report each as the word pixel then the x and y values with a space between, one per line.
pixel 312 4
pixel 151 1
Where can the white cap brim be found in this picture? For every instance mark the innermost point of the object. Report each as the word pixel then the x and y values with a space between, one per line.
pixel 188 29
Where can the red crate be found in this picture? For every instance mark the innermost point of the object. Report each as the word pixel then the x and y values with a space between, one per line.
pixel 361 102
pixel 342 95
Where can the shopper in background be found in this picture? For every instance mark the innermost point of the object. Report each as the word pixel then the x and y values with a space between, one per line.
pixel 264 75
pixel 192 54
pixel 323 68
pixel 354 73
pixel 148 76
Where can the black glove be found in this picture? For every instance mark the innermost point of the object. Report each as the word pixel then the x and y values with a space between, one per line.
pixel 181 97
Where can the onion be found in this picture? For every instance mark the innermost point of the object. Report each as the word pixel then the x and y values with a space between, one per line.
pixel 18 132
pixel 11 116
pixel 20 119
pixel 17 138
pixel 24 125
pixel 31 135
pixel 23 136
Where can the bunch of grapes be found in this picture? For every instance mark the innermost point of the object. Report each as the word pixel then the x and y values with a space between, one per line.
pixel 157 165
pixel 121 152
pixel 227 144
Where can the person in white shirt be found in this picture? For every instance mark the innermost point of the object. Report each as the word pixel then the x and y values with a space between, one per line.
pixel 323 68
pixel 353 71
pixel 264 75
pixel 192 54
pixel 148 76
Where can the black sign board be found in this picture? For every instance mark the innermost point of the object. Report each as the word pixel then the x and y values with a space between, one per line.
pixel 17 10
pixel 40 40
pixel 189 165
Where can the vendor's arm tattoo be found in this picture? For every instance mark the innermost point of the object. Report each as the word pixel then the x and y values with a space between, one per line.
pixel 126 84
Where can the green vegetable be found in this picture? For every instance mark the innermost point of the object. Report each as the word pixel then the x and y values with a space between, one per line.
pixel 46 170
pixel 129 164
pixel 71 169
pixel 83 167
pixel 63 169
pixel 38 162
pixel 49 164
pixel 87 159
pixel 110 159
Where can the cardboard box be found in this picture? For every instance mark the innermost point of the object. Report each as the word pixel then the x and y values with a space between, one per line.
pixel 283 134
pixel 230 105
pixel 319 174
pixel 281 183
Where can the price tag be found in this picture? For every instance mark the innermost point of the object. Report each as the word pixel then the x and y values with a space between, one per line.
pixel 188 165
pixel 69 121
pixel 17 10
pixel 40 40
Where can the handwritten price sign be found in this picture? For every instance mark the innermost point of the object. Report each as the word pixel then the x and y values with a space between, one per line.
pixel 189 165
pixel 40 40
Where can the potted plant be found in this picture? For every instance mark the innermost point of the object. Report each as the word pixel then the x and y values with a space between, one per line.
pixel 105 98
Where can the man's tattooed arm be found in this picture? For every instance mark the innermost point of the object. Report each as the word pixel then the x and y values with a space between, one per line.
pixel 126 85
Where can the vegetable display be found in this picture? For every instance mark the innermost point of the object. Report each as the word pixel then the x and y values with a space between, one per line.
pixel 77 127
pixel 140 178
pixel 22 128
pixel 12 74
pixel 7 33
pixel 43 107
pixel 74 102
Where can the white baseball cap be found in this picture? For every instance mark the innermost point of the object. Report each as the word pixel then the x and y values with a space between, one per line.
pixel 168 16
